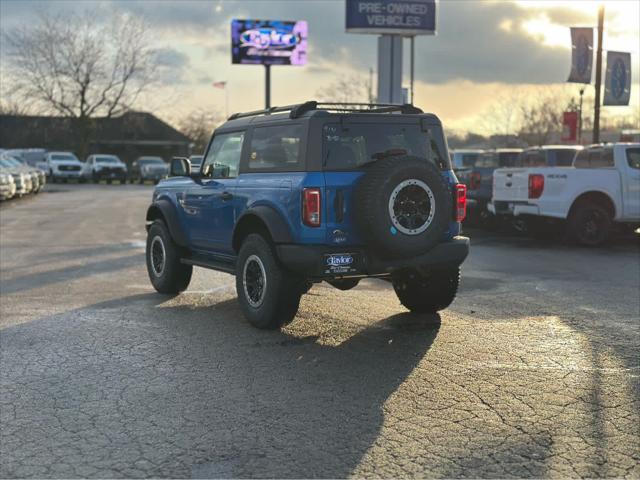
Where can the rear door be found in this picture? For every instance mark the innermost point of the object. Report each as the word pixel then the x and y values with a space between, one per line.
pixel 511 185
pixel 348 146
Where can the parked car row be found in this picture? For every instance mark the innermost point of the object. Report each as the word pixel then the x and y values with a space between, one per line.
pixel 17 178
pixel 584 199
pixel 579 192
pixel 65 166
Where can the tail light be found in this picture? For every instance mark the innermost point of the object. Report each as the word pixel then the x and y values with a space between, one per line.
pixel 311 207
pixel 461 202
pixel 536 185
pixel 474 181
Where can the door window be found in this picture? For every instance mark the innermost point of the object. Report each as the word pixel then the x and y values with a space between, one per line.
pixel 223 158
pixel 633 158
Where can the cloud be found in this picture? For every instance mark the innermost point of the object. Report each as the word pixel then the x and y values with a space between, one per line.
pixel 171 65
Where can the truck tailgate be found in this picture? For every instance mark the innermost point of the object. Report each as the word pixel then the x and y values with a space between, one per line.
pixel 511 185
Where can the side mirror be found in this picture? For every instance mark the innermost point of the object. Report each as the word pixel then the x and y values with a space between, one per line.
pixel 180 167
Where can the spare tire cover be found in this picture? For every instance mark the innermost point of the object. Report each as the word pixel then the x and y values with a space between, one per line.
pixel 402 206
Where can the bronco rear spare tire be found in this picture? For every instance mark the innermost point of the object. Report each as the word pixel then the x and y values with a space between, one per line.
pixel 402 206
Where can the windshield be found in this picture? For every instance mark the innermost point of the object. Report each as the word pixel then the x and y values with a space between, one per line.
pixel 487 160
pixel 61 157
pixel 107 159
pixel 470 159
pixel 352 146
pixel 6 163
pixel 12 162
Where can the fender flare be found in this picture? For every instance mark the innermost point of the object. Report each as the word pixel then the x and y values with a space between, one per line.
pixel 273 221
pixel 166 211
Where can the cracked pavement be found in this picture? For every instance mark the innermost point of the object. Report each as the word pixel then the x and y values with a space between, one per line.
pixel 533 372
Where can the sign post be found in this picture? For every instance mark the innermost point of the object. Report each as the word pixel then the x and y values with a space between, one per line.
pixel 392 20
pixel 596 113
pixel 268 42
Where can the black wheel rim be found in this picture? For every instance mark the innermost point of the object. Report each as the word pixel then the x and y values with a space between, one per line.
pixel 254 281
pixel 158 256
pixel 411 207
pixel 592 226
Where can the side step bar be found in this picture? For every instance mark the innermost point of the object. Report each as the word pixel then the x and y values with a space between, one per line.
pixel 219 265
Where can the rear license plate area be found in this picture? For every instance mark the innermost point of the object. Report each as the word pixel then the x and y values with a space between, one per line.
pixel 341 263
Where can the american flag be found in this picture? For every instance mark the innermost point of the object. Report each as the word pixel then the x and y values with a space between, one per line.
pixel 219 84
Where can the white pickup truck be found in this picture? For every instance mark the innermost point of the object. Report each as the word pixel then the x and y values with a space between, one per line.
pixel 601 187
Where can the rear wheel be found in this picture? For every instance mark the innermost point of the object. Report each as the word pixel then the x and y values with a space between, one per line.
pixel 268 295
pixel 166 272
pixel 589 224
pixel 427 294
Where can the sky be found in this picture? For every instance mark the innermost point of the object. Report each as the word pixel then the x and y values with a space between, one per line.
pixel 483 53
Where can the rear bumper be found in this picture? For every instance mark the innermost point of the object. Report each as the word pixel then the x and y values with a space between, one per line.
pixel 311 260
pixel 513 208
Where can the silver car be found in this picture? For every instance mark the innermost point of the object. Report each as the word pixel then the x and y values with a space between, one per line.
pixel 7 185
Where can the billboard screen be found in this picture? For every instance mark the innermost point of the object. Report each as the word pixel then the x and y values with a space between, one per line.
pixel 268 42
pixel 398 17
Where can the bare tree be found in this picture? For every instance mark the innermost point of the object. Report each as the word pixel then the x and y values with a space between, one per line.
pixel 346 90
pixel 76 67
pixel 541 117
pixel 501 118
pixel 198 126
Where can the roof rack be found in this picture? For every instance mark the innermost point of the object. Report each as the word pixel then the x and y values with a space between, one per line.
pixel 298 109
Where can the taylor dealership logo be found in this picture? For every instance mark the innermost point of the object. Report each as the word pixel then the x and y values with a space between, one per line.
pixel 339 260
pixel 264 38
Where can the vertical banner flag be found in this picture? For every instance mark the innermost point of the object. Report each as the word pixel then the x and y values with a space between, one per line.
pixel 569 126
pixel 617 83
pixel 581 55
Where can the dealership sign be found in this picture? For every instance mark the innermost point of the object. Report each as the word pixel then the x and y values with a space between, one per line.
pixel 398 17
pixel 267 42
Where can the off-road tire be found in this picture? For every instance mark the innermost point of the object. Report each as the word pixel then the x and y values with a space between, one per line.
pixel 174 277
pixel 589 224
pixel 372 203
pixel 430 294
pixel 278 301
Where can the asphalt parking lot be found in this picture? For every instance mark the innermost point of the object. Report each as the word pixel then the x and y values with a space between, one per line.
pixel 534 370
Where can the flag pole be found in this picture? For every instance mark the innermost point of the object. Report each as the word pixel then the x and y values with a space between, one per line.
pixel 226 101
pixel 596 112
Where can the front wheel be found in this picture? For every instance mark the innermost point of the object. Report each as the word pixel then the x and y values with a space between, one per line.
pixel 268 295
pixel 427 294
pixel 166 272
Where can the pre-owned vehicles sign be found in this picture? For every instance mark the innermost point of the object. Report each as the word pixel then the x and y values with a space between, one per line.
pixel 399 17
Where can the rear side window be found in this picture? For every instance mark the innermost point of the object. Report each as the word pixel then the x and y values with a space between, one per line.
pixel 564 157
pixel 594 158
pixel 633 158
pixel 347 147
pixel 276 147
pixel 532 158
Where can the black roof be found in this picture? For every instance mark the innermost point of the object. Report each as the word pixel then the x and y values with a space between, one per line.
pixel 315 109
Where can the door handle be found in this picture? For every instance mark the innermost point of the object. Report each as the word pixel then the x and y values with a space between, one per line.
pixel 226 196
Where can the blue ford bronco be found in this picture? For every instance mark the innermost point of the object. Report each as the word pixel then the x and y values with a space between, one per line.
pixel 290 196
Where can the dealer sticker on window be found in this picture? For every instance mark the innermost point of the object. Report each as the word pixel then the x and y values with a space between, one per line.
pixel 339 263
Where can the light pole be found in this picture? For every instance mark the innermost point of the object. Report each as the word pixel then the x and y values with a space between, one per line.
pixel 596 113
pixel 580 118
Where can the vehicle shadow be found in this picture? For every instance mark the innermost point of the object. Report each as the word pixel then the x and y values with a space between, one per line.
pixel 143 386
